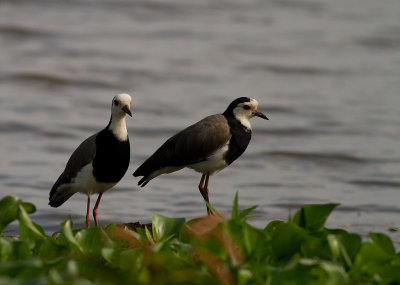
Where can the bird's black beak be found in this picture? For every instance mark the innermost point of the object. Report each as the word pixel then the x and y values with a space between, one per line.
pixel 259 114
pixel 127 110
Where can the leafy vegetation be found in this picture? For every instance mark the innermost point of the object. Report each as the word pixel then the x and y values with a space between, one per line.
pixel 209 250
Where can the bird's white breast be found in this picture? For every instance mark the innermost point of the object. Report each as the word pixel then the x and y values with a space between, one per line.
pixel 214 163
pixel 86 183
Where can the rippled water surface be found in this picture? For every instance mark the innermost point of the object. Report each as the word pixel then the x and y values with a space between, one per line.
pixel 326 73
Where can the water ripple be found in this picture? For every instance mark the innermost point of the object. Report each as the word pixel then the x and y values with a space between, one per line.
pixel 376 183
pixel 318 156
pixel 23 32
pixel 293 70
pixel 17 127
pixel 54 80
pixel 388 40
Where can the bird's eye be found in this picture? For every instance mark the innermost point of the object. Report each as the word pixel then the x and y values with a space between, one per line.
pixel 116 103
pixel 246 107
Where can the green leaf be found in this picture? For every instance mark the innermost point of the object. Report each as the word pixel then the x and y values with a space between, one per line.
pixel 93 240
pixel 287 239
pixel 20 267
pixel 374 263
pixel 253 240
pixel 336 274
pixel 272 226
pixel 313 217
pixel 244 215
pixel 164 227
pixel 9 206
pixel 69 235
pixel 212 209
pixel 371 253
pixel 344 246
pixel 384 242
pixel 14 249
pixel 109 254
pixel 238 215
pixel 27 228
pixel 235 208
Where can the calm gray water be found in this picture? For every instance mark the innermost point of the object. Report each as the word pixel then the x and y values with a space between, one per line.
pixel 326 73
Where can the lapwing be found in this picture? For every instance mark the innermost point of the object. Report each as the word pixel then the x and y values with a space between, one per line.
pixel 99 162
pixel 207 146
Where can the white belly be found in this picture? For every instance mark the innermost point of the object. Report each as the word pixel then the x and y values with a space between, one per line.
pixel 86 183
pixel 214 163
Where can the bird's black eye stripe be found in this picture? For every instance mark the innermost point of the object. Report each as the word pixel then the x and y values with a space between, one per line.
pixel 246 107
pixel 116 103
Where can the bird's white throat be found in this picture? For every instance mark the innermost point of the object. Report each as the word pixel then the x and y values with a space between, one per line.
pixel 243 119
pixel 118 127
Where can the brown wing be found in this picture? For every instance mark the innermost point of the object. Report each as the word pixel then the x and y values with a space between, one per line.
pixel 193 144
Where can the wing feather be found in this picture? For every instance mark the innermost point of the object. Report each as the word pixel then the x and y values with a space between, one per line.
pixel 191 145
pixel 82 156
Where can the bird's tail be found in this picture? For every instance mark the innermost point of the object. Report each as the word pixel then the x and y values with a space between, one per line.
pixel 142 182
pixel 61 191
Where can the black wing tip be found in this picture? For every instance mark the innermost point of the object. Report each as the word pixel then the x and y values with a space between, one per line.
pixel 55 204
pixel 142 182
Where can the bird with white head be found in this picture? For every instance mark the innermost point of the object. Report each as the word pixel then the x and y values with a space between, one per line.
pixel 99 162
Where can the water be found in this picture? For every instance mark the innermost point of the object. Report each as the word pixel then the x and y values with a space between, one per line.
pixel 326 73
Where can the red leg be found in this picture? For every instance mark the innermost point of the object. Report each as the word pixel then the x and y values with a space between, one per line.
pixel 201 185
pixel 96 206
pixel 205 189
pixel 87 212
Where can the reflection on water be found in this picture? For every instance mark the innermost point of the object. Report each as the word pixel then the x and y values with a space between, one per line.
pixel 325 73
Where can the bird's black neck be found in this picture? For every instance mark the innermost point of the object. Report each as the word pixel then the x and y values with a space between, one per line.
pixel 240 138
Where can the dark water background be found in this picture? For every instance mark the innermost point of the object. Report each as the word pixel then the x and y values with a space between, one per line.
pixel 327 74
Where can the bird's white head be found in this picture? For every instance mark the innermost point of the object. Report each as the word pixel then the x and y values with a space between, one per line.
pixel 243 109
pixel 121 105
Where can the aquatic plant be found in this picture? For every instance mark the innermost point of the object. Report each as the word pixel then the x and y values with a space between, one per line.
pixel 209 250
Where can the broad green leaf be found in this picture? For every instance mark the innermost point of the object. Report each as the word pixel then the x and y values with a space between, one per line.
pixel 347 244
pixel 51 250
pixel 164 227
pixel 69 235
pixel 384 242
pixel 185 232
pixel 313 217
pixel 339 250
pixel 27 228
pixel 287 239
pixel 272 226
pixel 374 263
pixel 93 240
pixel 371 253
pixel 254 240
pixel 9 206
